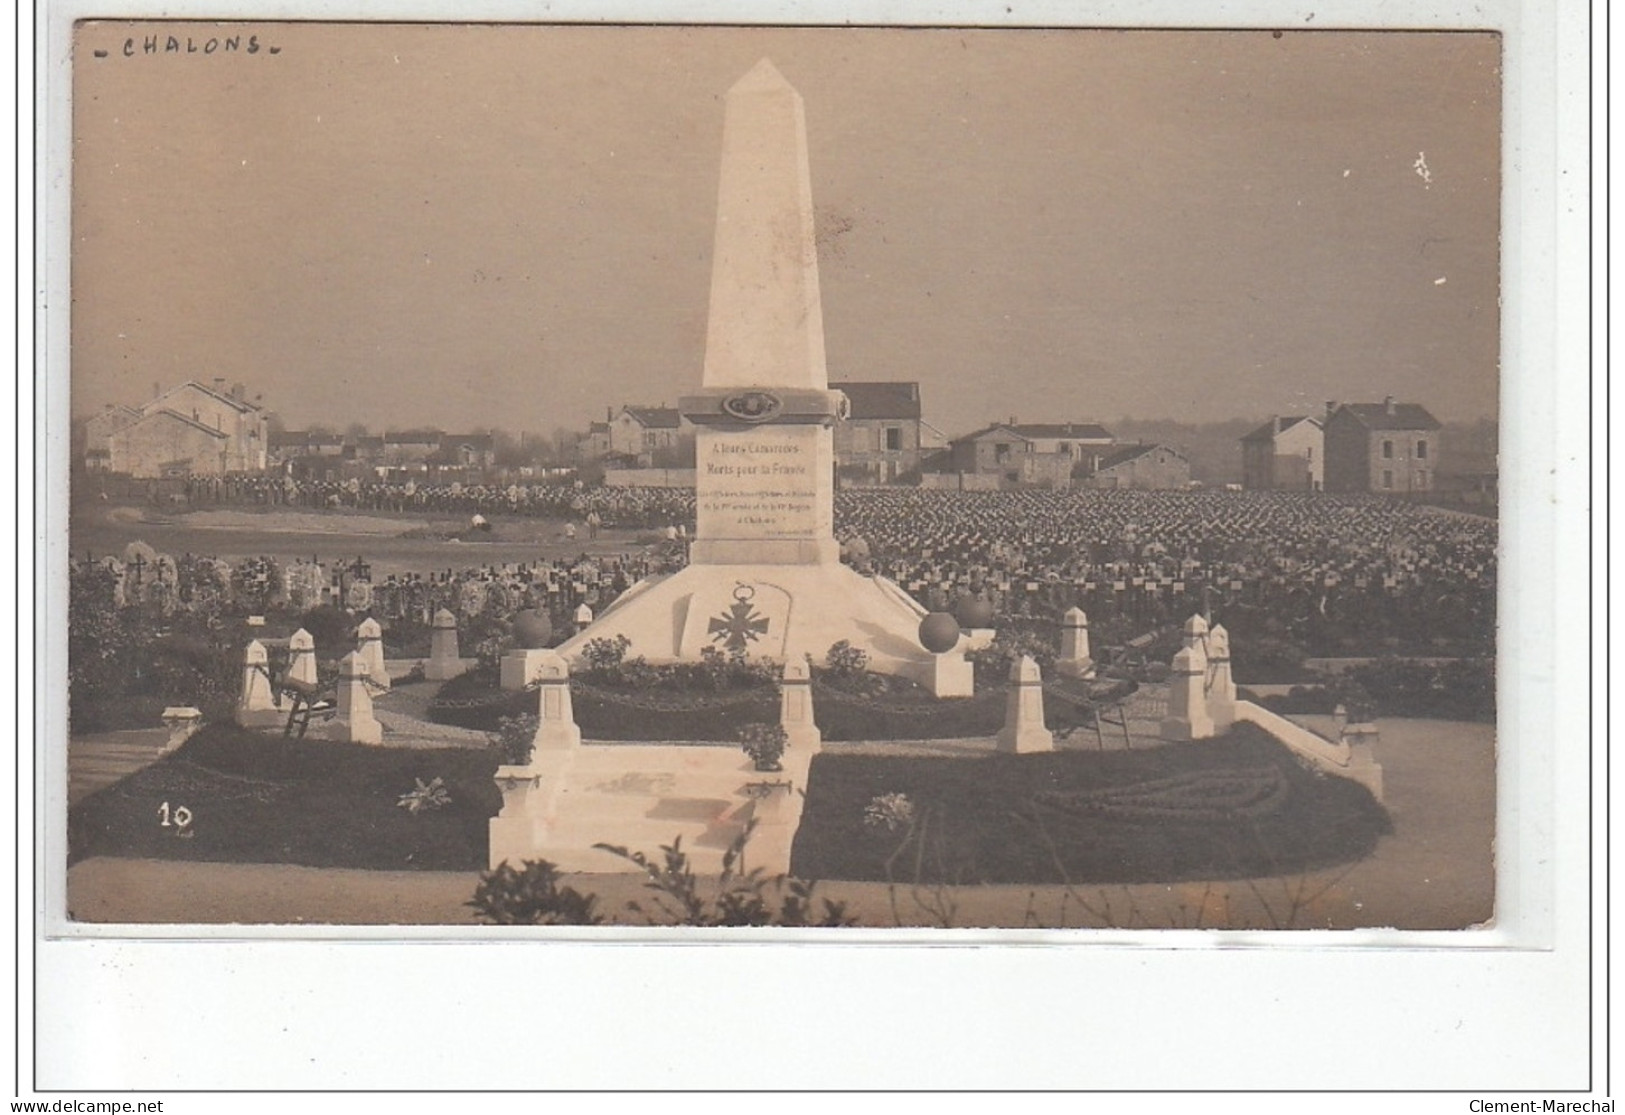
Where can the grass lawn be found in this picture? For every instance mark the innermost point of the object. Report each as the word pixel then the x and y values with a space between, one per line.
pixel 256 798
pixel 1239 807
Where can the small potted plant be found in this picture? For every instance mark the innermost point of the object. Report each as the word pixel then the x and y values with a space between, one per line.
pixel 765 744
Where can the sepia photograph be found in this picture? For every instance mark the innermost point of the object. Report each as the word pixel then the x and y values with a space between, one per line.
pixel 837 478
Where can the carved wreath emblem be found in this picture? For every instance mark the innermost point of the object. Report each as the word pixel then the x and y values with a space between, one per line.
pixel 752 406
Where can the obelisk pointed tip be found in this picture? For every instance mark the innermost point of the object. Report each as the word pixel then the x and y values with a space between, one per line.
pixel 762 76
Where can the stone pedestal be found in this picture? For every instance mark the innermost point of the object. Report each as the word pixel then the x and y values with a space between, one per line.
pixel 777 802
pixel 796 707
pixel 1074 660
pixel 556 728
pixel 445 660
pixel 521 668
pixel 977 638
pixel 370 646
pixel 1361 739
pixel 256 704
pixel 354 722
pixel 952 674
pixel 1221 687
pixel 302 658
pixel 1195 632
pixel 1024 728
pixel 182 721
pixel 523 829
pixel 1188 717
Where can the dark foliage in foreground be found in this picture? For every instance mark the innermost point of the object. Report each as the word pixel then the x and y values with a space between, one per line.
pixel 256 798
pixel 1238 807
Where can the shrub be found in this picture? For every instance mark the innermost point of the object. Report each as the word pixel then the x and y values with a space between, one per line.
pixel 515 737
pixel 741 898
pixel 764 743
pixel 605 654
pixel 531 895
pixel 844 659
pixel 992 663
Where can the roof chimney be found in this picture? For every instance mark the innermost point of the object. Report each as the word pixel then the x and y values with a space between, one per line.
pixel 1388 403
pixel 1276 419
pixel 239 392
pixel 1331 405
pixel 220 384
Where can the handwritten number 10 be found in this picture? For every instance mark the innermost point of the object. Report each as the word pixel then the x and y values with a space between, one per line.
pixel 180 817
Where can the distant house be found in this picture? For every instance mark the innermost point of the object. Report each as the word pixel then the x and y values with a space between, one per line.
pixel 293 445
pixel 410 449
pixel 163 436
pixel 1143 467
pixel 882 436
pixel 98 429
pixel 1285 454
pixel 1084 444
pixel 595 445
pixel 468 453
pixel 641 433
pixel 1032 454
pixel 1381 447
pixel 167 443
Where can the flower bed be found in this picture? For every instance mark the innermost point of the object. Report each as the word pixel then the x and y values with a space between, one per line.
pixel 1236 807
pixel 253 798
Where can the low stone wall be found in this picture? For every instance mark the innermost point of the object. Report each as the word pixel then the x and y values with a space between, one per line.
pixel 961 481
pixel 1340 759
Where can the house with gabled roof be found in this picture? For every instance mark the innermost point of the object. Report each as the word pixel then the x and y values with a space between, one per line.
pixel 166 443
pixel 882 435
pixel 133 443
pixel 1287 453
pixel 1390 447
pixel 1027 454
pixel 1145 467
pixel 643 432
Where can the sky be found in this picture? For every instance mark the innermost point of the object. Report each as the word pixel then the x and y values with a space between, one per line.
pixel 510 226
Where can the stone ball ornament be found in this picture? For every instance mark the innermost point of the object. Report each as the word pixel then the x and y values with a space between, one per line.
pixel 532 629
pixel 939 632
pixel 974 612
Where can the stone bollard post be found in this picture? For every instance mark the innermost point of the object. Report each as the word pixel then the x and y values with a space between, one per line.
pixel 370 646
pixel 1196 632
pixel 796 706
pixel 445 657
pixel 583 618
pixel 354 722
pixel 1024 728
pixel 302 657
pixel 1074 661
pixel 1188 717
pixel 182 721
pixel 256 705
pixel 556 728
pixel 1361 739
pixel 1221 687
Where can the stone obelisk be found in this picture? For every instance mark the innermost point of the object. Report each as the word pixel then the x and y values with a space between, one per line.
pixel 765 459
